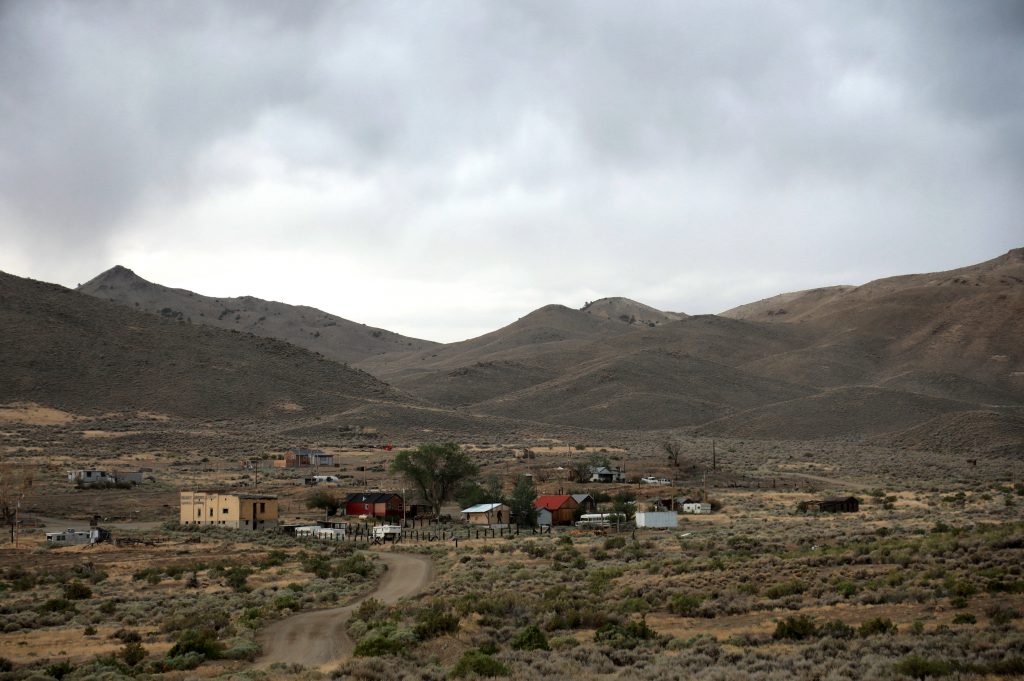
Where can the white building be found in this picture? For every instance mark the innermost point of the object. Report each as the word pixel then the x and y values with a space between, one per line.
pixel 694 507
pixel 657 519
pixel 71 537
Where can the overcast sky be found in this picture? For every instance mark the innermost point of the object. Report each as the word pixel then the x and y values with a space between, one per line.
pixel 442 168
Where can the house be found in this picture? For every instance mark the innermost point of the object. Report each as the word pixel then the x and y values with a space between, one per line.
pixel 585 501
pixel 374 504
pixel 555 509
pixel 831 505
pixel 491 514
pixel 605 474
pixel 297 458
pixel 90 476
pixel 696 508
pixel 242 511
pixel 656 519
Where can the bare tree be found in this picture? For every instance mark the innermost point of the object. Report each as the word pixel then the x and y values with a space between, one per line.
pixel 15 482
pixel 674 450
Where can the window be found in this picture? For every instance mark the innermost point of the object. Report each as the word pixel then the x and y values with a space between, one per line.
pixel 211 512
pixel 199 512
pixel 263 507
pixel 224 511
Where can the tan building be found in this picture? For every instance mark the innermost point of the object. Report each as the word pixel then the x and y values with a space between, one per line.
pixel 242 511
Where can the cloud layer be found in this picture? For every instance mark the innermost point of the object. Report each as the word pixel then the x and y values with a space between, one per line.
pixel 442 168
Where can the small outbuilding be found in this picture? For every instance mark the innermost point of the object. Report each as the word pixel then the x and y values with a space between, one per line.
pixel 560 509
pixel 374 504
pixel 586 502
pixel 656 519
pixel 491 514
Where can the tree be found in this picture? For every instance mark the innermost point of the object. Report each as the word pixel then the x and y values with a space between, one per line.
pixel 435 470
pixel 15 482
pixel 582 468
pixel 522 500
pixel 324 500
pixel 674 450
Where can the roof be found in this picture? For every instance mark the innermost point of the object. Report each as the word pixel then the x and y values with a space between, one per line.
pixel 552 502
pixel 838 499
pixel 370 497
pixel 483 508
pixel 580 498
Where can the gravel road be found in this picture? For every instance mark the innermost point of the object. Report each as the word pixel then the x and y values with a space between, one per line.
pixel 318 638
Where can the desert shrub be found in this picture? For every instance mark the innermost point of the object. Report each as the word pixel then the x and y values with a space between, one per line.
pixel 242 649
pixel 56 605
pixel 964 618
pixel 236 578
pixel 6 665
pixel 274 559
pixel 836 629
pixel 107 607
pixel 918 667
pixel 684 604
pixel 177 663
pixel 614 543
pixel 378 643
pixel 1001 615
pixel 530 638
pixel 150 574
pixel 356 564
pixel 435 621
pixel 287 600
pixel 201 641
pixel 846 588
pixel 788 588
pixel 479 663
pixel 76 591
pixel 878 625
pixel 796 628
pixel 60 669
pixel 127 636
pixel 624 635
pixel 133 653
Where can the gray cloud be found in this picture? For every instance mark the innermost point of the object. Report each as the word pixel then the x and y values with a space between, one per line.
pixel 495 157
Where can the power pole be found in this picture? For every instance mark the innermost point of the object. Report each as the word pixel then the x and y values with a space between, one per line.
pixel 714 457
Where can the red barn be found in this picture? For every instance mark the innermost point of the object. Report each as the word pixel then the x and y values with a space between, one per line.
pixel 374 504
pixel 560 506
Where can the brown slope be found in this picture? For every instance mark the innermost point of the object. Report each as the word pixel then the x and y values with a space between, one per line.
pixel 853 412
pixel 970 433
pixel 966 322
pixel 69 350
pixel 333 337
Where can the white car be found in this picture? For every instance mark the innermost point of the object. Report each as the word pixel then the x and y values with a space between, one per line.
pixel 651 480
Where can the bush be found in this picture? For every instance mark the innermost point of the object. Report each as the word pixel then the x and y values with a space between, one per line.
pixel 56 605
pixel 76 591
pixel 795 628
pixel 684 604
pixel 836 629
pixel 625 636
pixel 127 636
pixel 6 665
pixel 530 638
pixel 479 663
pixel 433 622
pixel 919 667
pixel 133 653
pixel 377 644
pixel 60 669
pixel 964 618
pixel 201 641
pixel 878 625
pixel 782 589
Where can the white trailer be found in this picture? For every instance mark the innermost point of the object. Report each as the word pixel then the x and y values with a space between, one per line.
pixel 657 519
pixel 386 532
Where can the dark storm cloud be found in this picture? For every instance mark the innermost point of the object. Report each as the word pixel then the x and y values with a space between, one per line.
pixel 660 145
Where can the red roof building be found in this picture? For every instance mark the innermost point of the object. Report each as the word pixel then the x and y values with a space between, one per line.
pixel 560 506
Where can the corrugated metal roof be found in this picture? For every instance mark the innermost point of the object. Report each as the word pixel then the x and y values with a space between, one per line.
pixel 482 508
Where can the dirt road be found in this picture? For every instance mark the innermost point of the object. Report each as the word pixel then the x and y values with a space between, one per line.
pixel 318 638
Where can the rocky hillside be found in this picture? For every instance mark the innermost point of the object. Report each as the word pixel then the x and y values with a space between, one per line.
pixel 333 337
pixel 71 351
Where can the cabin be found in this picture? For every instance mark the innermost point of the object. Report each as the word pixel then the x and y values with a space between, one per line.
pixel 298 458
pixel 831 505
pixel 555 509
pixel 374 505
pixel 240 511
pixel 71 537
pixel 586 502
pixel 490 514
pixel 90 476
pixel 604 474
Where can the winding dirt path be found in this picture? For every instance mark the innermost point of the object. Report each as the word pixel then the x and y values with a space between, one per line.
pixel 318 638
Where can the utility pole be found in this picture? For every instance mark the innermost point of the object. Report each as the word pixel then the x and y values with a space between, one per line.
pixel 714 457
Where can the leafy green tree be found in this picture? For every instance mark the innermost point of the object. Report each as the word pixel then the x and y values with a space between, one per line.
pixel 435 470
pixel 522 500
pixel 323 499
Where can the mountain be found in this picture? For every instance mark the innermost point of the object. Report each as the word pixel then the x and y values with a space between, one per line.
pixel 71 351
pixel 333 337
pixel 878 360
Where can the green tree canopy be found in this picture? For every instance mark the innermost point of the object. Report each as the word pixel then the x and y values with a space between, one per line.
pixel 435 470
pixel 324 500
pixel 522 500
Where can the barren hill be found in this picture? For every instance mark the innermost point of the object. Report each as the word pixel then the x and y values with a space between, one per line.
pixel 307 327
pixel 630 312
pixel 69 350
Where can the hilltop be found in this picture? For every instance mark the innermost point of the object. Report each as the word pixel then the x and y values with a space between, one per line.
pixel 307 327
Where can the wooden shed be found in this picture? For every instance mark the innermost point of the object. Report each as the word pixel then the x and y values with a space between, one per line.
pixel 562 507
